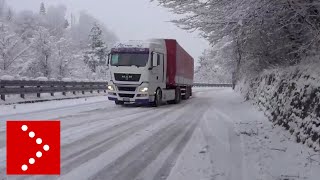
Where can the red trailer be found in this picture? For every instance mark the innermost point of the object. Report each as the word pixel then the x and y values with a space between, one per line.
pixel 180 65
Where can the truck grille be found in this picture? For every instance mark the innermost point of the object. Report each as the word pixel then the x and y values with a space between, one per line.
pixel 127 77
pixel 126 95
pixel 127 88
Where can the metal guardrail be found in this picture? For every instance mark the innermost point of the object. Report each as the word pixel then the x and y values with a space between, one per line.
pixel 37 87
pixel 211 85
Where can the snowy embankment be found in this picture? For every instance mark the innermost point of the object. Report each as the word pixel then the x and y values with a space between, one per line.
pixel 290 98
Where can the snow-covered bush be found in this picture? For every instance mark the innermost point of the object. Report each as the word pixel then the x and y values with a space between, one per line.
pixel 290 98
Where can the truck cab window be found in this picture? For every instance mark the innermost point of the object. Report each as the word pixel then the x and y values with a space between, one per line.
pixel 129 59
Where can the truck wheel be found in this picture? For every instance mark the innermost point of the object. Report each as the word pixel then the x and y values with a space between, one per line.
pixel 185 96
pixel 158 98
pixel 187 93
pixel 177 99
pixel 178 96
pixel 119 102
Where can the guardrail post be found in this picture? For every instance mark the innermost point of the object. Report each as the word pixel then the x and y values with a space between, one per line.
pixel 91 91
pixel 64 92
pixel 83 90
pixel 22 95
pixel 38 94
pixel 2 96
pixel 74 92
pixel 52 93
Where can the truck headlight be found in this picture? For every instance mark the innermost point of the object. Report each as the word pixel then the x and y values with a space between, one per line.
pixel 143 89
pixel 110 87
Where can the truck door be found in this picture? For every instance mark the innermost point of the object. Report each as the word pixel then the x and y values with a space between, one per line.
pixel 157 72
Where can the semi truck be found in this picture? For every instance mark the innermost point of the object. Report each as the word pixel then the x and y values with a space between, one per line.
pixel 153 72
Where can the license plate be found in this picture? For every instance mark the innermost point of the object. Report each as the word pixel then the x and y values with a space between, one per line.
pixel 126 99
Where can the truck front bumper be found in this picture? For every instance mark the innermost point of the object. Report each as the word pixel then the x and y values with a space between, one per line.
pixel 131 100
pixel 136 98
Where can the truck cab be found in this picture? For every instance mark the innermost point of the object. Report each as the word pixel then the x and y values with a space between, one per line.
pixel 138 71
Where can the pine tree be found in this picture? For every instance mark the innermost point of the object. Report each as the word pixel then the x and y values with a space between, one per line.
pixel 9 15
pixel 42 9
pixel 66 24
pixel 97 54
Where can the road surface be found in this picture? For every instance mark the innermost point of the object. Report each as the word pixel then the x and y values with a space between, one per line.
pixel 214 135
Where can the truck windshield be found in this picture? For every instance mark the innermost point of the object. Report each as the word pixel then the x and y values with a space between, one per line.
pixel 127 59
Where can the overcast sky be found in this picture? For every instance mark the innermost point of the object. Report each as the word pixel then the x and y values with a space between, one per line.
pixel 128 19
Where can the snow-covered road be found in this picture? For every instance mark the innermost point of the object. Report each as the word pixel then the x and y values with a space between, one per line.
pixel 214 135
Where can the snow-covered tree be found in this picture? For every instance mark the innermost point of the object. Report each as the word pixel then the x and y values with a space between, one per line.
pixel 43 45
pixel 3 7
pixel 217 64
pixel 26 24
pixel 265 33
pixel 82 30
pixel 63 57
pixel 11 48
pixel 97 53
pixel 42 9
pixel 55 19
pixel 66 24
pixel 9 15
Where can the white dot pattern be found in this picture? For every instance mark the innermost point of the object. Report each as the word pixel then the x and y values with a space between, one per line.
pixel 46 147
pixel 24 167
pixel 32 161
pixel 39 141
pixel 39 154
pixel 24 128
pixel 31 134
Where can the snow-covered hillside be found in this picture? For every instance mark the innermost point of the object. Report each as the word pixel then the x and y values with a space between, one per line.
pixel 290 98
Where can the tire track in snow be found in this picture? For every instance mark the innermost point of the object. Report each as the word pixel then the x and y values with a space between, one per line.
pixel 108 138
pixel 116 134
pixel 224 144
pixel 137 159
pixel 105 116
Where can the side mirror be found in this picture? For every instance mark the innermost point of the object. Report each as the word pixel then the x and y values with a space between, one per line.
pixel 109 57
pixel 154 59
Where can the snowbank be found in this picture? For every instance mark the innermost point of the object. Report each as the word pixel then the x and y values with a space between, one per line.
pixel 290 98
pixel 6 77
pixel 42 79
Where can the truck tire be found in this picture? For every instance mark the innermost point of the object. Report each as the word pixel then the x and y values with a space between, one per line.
pixel 187 94
pixel 178 97
pixel 119 102
pixel 157 98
